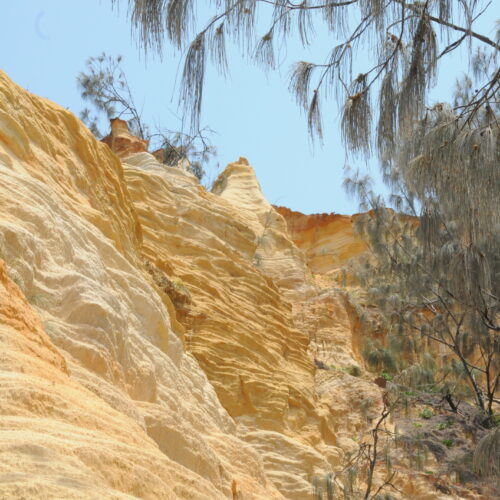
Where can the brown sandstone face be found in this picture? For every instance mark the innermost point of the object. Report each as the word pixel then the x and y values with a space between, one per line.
pixel 122 142
pixel 328 240
pixel 22 335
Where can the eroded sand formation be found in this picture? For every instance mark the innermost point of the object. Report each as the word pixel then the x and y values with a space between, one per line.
pixel 158 340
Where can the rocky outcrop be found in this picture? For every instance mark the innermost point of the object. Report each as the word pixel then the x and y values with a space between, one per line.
pixel 275 254
pixel 98 397
pixel 121 141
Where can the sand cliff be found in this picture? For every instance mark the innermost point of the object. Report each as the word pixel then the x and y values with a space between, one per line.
pixel 159 340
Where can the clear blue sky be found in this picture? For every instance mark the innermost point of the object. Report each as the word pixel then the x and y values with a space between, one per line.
pixel 46 43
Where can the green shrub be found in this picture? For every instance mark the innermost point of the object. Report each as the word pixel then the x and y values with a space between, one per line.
pixel 178 283
pixel 354 370
pixel 445 425
pixel 427 414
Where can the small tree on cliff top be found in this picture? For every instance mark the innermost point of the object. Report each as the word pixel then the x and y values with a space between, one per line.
pixel 104 85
